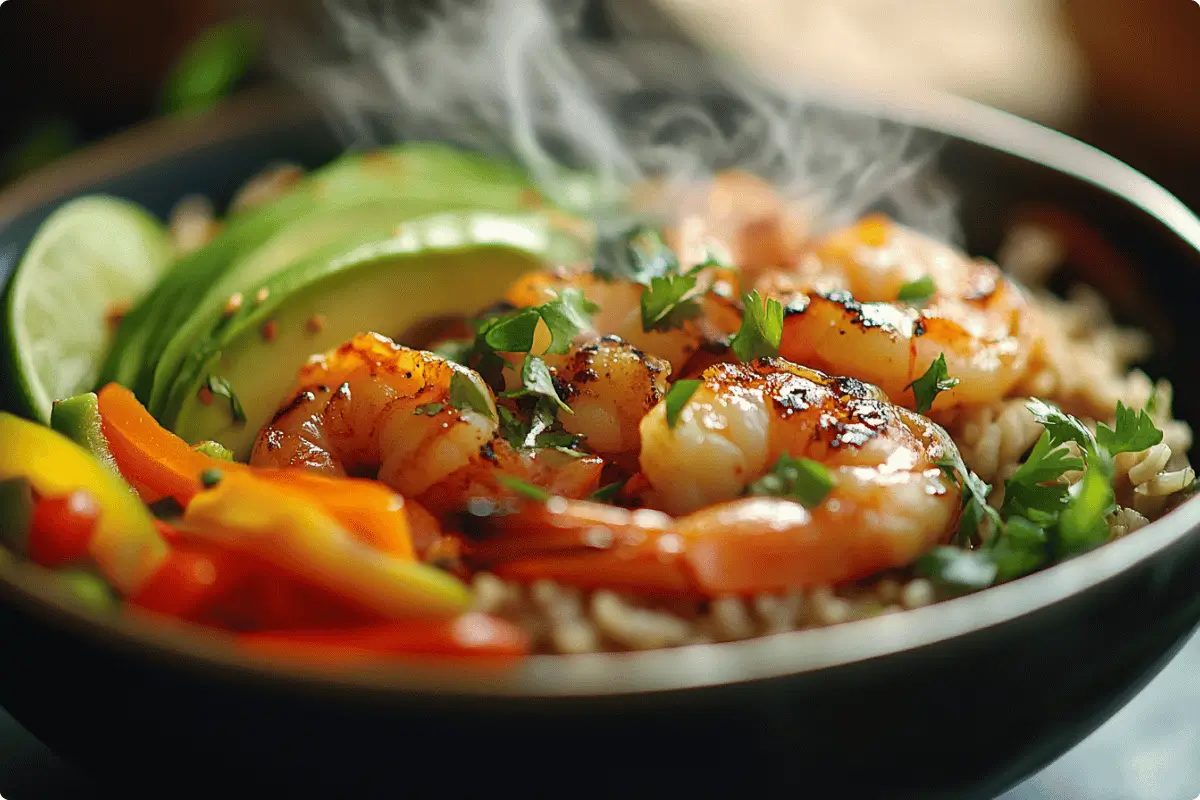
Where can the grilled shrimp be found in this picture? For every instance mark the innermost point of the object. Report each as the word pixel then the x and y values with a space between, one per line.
pixel 373 407
pixel 842 314
pixel 889 502
pixel 620 311
pixel 610 385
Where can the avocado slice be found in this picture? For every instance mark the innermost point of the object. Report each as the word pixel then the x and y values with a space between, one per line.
pixel 78 418
pixel 446 264
pixel 323 231
pixel 424 177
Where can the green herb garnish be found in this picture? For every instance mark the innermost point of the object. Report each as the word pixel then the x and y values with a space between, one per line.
pixel 958 571
pixel 605 494
pixel 918 292
pixel 428 409
pixel 512 333
pixel 666 304
pixel 466 395
pixel 762 328
pixel 677 397
pixel 522 488
pixel 799 479
pixel 637 254
pixel 1135 431
pixel 221 388
pixel 566 316
pixel 536 380
pixel 935 381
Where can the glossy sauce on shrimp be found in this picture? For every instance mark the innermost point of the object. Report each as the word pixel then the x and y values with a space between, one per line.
pixel 845 314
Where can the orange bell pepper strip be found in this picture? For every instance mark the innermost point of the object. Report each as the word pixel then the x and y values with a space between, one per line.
pixel 470 634
pixel 160 464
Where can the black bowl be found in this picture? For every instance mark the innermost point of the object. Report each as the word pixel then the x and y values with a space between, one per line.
pixel 958 700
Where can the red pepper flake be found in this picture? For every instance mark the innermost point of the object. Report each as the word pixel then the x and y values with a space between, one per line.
pixel 233 304
pixel 316 323
pixel 262 295
pixel 205 396
pixel 269 330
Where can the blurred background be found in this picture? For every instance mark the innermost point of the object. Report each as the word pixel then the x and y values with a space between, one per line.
pixel 1121 74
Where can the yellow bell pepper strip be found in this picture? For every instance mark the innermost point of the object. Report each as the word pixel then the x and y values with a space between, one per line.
pixel 288 529
pixel 125 545
pixel 160 464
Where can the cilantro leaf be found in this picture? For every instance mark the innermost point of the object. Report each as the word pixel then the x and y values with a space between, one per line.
pixel 605 494
pixel 935 381
pixel 512 428
pixel 1081 525
pixel 566 316
pixel 958 571
pixel 974 498
pixel 512 333
pixel 221 388
pixel 536 380
pixel 522 488
pixel 1020 550
pixel 665 304
pixel 1061 426
pixel 637 254
pixel 1035 490
pixel 1135 431
pixel 918 292
pixel 762 328
pixel 456 350
pixel 466 395
pixel 800 479
pixel 677 397
pixel 428 409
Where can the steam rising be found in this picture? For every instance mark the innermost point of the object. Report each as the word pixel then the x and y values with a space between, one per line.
pixel 519 78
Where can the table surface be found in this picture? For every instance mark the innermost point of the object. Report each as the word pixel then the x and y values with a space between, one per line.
pixel 1149 751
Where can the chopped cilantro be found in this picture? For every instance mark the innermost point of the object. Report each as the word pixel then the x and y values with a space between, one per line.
pixel 512 428
pixel 637 254
pixel 762 328
pixel 456 350
pixel 677 397
pixel 536 380
pixel 974 497
pixel 665 302
pixel 918 292
pixel 526 489
pixel 512 333
pixel 1035 491
pixel 1021 550
pixel 958 571
pixel 1081 525
pixel 605 494
pixel 466 395
pixel 221 388
pixel 428 409
pixel 800 479
pixel 935 381
pixel 566 316
pixel 1134 432
pixel 1061 426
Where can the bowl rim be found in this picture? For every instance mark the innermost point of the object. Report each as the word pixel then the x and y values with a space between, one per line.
pixel 614 675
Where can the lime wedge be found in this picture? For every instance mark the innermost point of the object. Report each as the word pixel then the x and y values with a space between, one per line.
pixel 91 258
